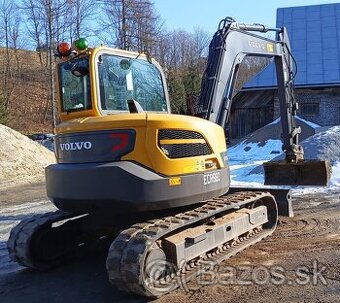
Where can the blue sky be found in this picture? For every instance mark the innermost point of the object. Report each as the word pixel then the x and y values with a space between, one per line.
pixel 206 14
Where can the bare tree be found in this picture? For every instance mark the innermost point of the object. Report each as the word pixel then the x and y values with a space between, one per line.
pixel 249 67
pixel 201 39
pixel 148 26
pixel 55 16
pixel 130 24
pixel 34 25
pixel 9 26
pixel 47 25
pixel 114 28
pixel 178 49
pixel 183 55
pixel 80 18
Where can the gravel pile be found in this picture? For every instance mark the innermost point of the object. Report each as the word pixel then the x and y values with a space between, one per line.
pixel 272 131
pixel 324 145
pixel 21 159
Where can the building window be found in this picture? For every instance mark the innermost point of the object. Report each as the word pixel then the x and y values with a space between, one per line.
pixel 309 109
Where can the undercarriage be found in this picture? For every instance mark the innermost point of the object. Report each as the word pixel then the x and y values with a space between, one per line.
pixel 155 254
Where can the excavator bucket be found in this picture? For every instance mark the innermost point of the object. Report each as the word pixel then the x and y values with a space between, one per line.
pixel 304 172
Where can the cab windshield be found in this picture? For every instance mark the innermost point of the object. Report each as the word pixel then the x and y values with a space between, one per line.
pixel 75 85
pixel 122 79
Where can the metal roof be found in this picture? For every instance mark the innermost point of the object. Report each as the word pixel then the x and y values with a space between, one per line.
pixel 314 33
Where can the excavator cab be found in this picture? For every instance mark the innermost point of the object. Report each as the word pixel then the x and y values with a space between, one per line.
pixel 101 81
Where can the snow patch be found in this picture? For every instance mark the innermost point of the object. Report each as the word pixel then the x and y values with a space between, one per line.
pixel 246 159
pixel 275 121
pixel 262 151
pixel 309 123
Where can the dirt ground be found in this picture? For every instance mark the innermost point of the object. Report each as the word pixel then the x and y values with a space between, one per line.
pixel 299 263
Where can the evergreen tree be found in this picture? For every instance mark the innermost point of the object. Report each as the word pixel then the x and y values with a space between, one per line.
pixel 176 93
pixel 3 112
pixel 192 82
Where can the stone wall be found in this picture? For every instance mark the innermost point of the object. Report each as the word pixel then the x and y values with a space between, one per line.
pixel 326 103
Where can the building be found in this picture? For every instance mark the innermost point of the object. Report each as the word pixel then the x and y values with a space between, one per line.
pixel 314 32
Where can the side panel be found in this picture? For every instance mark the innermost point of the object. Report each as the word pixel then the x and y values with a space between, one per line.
pixel 94 146
pixel 212 135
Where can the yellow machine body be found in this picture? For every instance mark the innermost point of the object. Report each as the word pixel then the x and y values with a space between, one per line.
pixel 157 160
pixel 147 151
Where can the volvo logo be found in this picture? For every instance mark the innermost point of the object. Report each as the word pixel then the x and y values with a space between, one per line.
pixel 257 45
pixel 75 146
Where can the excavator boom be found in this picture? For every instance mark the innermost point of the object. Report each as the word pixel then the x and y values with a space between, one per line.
pixel 230 45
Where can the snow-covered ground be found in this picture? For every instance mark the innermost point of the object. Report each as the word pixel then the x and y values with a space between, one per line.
pixel 245 157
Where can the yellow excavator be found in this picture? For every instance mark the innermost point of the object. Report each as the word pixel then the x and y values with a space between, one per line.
pixel 157 183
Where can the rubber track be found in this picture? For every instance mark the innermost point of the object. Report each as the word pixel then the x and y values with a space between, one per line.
pixel 19 241
pixel 125 261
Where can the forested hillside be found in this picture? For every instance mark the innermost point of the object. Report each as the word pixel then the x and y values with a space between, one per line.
pixel 28 106
pixel 32 29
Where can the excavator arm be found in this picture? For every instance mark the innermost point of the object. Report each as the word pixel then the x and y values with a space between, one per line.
pixel 230 45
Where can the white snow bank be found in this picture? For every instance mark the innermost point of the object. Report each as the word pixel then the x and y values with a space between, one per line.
pixel 323 145
pixel 255 151
pixel 335 180
pixel 245 159
pixel 277 120
pixel 240 175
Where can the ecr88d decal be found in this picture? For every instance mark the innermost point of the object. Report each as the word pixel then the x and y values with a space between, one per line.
pixel 211 178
